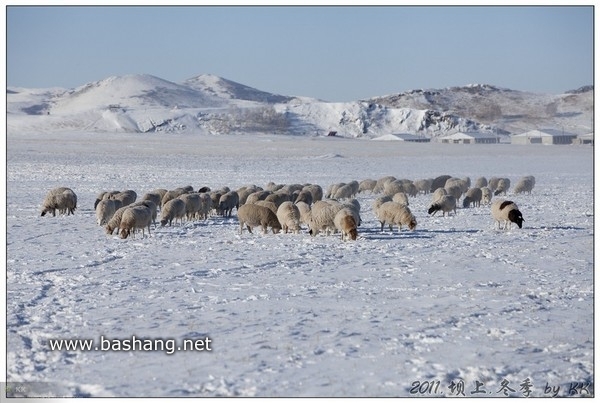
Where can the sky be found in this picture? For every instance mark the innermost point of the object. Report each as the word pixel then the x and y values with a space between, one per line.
pixel 333 53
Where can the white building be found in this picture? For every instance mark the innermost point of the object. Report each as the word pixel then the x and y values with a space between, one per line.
pixel 544 136
pixel 470 138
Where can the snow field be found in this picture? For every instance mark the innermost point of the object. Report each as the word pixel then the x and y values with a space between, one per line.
pixel 290 314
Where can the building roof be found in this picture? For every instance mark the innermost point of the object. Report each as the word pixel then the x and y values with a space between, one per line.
pixel 470 135
pixel 545 133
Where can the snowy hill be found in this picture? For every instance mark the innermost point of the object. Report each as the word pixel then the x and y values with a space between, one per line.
pixel 211 104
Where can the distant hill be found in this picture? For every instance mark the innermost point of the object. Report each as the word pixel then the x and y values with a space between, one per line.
pixel 211 104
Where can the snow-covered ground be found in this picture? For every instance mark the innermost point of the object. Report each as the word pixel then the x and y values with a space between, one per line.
pixel 454 303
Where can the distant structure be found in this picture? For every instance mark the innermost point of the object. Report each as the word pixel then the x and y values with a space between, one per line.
pixel 469 138
pixel 332 134
pixel 585 139
pixel 544 136
pixel 403 137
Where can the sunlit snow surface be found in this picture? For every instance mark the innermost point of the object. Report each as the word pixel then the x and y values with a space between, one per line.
pixel 454 302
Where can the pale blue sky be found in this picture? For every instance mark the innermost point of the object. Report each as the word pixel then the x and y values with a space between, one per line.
pixel 333 53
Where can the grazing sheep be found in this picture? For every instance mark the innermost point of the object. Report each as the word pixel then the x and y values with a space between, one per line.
pixel 503 186
pixel 390 188
pixel 424 185
pixel 439 182
pixel 268 204
pixel 204 189
pixel 344 192
pixel 473 196
pixel 393 213
pixel 525 185
pixel 316 191
pixel 379 201
pixel 304 209
pixel 401 198
pixel 345 222
pixel 172 210
pixel 205 205
pixel 170 195
pixel 62 199
pixel 246 191
pixel 438 194
pixel 446 204
pixel 256 196
pixel 321 216
pixel 288 215
pixel 379 186
pixel 367 185
pixel 192 205
pixel 105 209
pixel 115 220
pixel 454 190
pixel 332 189
pixel 154 197
pixel 254 215
pixel 493 183
pixel 305 195
pixel 278 197
pixel 138 217
pixel 506 212
pixel 147 203
pixel 481 182
pixel 486 195
pixel 126 197
pixel 227 202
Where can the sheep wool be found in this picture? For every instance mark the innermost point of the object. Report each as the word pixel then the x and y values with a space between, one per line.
pixel 393 213
pixel 525 185
pixel 446 204
pixel 105 209
pixel 506 212
pixel 62 199
pixel 254 215
pixel 472 197
pixel 345 222
pixel 138 217
pixel 172 210
pixel 288 215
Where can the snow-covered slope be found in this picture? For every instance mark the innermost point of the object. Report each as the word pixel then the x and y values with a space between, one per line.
pixel 211 104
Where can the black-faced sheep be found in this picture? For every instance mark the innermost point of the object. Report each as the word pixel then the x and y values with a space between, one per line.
pixel 253 215
pixel 174 209
pixel 393 213
pixel 62 199
pixel 446 204
pixel 345 222
pixel 288 215
pixel 472 197
pixel 506 212
pixel 525 185
pixel 137 217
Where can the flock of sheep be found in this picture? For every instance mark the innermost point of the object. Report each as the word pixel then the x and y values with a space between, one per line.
pixel 289 207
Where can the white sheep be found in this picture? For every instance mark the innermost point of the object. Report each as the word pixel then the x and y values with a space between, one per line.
pixel 332 189
pixel 345 222
pixel 438 194
pixel 344 192
pixel 401 198
pixel 256 196
pixel 228 202
pixel 154 197
pixel 288 215
pixel 424 185
pixel 367 185
pixel 446 204
pixel 503 186
pixel 115 220
pixel 381 183
pixel 379 201
pixel 439 182
pixel 105 209
pixel 246 191
pixel 321 217
pixel 481 182
pixel 268 204
pixel 486 195
pixel 279 197
pixel 126 197
pixel 493 183
pixel 254 215
pixel 172 210
pixel 473 196
pixel 525 185
pixel 506 212
pixel 205 205
pixel 192 205
pixel 170 195
pixel 137 217
pixel 315 190
pixel 304 209
pixel 393 213
pixel 62 199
